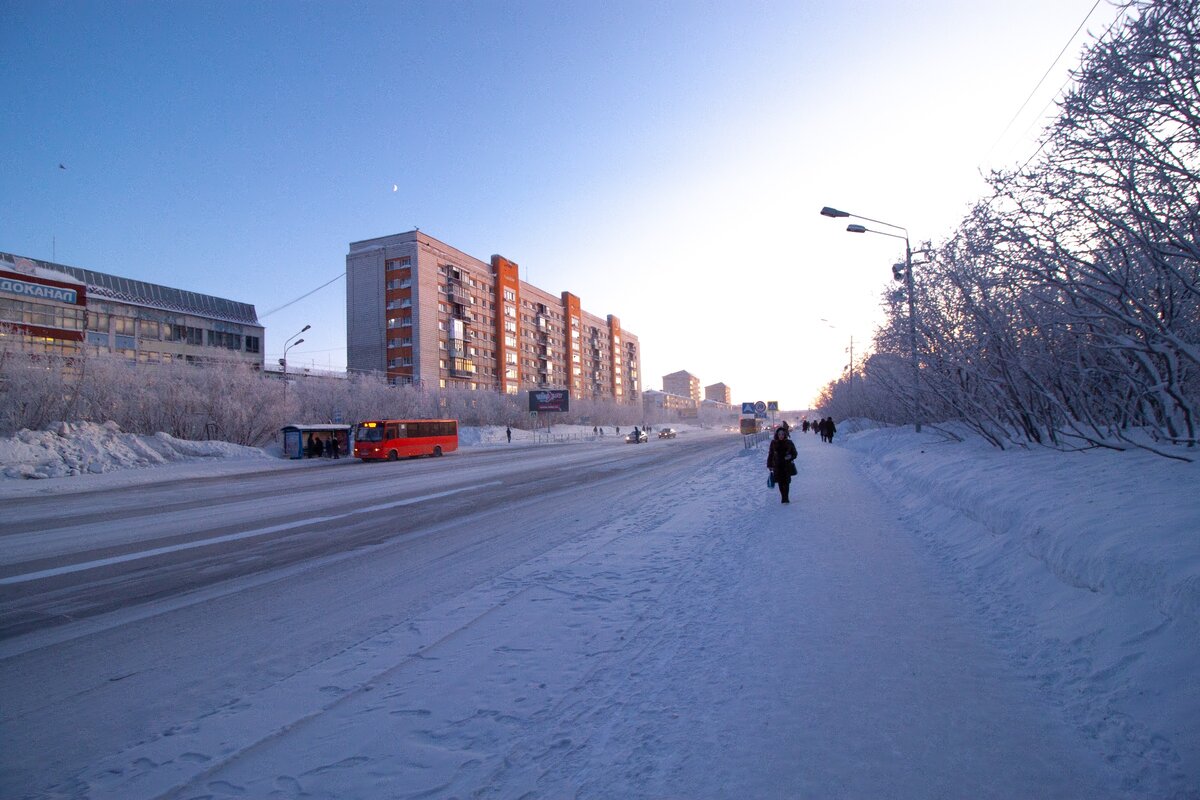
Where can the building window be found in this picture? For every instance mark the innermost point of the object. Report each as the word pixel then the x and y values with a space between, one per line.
pixel 253 344
pixel 98 339
pixel 230 341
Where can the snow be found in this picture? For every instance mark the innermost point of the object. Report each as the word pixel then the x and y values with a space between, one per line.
pixel 88 448
pixel 930 617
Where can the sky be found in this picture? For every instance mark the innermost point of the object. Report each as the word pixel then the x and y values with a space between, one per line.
pixel 666 162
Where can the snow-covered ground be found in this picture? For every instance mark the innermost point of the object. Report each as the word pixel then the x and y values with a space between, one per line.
pixel 963 622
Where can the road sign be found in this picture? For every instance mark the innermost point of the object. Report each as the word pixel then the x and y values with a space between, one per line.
pixel 760 407
pixel 772 405
pixel 747 408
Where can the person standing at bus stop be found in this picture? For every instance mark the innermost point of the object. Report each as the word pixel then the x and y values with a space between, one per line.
pixel 781 460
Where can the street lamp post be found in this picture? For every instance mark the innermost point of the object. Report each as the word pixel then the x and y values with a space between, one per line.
pixel 286 347
pixel 908 283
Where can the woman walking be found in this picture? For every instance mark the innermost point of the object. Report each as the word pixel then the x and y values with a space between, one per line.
pixel 781 460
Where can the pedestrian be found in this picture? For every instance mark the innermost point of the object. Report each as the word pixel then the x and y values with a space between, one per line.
pixel 311 449
pixel 804 425
pixel 781 461
pixel 335 445
pixel 327 447
pixel 830 430
pixel 508 433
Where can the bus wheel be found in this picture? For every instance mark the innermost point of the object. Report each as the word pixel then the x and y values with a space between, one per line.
pixel 437 451
pixel 392 455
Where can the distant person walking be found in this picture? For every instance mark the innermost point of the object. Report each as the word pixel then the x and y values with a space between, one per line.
pixel 781 460
pixel 508 433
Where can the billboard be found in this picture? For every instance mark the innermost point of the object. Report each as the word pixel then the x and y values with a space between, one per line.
pixel 549 400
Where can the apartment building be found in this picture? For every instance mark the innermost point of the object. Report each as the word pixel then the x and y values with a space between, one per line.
pixel 58 309
pixel 684 384
pixel 719 393
pixel 421 311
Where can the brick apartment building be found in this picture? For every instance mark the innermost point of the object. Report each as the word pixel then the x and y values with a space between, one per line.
pixel 719 393
pixel 682 383
pixel 421 311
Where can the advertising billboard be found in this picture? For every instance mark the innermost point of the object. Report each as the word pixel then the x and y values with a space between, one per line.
pixel 541 400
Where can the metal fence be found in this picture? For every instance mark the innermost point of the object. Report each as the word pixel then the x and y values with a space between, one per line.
pixel 751 441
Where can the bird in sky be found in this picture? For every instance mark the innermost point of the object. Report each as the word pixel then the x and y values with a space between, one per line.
pixel 61 165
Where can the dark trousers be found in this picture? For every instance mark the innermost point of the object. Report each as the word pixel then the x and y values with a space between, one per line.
pixel 785 486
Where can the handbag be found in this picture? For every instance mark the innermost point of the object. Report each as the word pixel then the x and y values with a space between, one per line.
pixel 792 468
pixel 770 480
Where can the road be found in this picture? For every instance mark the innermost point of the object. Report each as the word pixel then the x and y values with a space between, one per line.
pixel 125 615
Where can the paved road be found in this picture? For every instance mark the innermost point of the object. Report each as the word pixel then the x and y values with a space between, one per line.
pixel 125 612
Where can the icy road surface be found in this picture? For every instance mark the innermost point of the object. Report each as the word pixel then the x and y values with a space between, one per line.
pixel 584 621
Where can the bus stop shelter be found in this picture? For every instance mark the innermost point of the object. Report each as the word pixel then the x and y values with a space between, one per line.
pixel 302 440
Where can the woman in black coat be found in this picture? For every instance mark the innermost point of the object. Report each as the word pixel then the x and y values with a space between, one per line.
pixel 781 458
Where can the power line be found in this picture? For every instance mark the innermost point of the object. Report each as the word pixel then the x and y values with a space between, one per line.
pixel 301 297
pixel 1046 138
pixel 1045 75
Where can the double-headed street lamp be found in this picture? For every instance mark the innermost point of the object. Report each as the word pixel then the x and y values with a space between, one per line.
pixel 908 281
pixel 286 347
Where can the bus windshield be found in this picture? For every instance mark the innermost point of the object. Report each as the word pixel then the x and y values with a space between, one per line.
pixel 369 432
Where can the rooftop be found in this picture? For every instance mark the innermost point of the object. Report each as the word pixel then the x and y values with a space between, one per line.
pixel 101 284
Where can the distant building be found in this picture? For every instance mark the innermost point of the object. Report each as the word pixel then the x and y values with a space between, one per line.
pixel 57 309
pixel 719 393
pixel 682 383
pixel 420 311
pixel 669 405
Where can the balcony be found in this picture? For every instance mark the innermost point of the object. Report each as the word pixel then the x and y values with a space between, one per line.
pixel 461 367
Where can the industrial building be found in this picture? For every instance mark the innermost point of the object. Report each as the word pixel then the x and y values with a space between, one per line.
pixel 420 311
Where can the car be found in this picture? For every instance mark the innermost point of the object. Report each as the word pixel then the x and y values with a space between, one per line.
pixel 638 437
pixel 666 433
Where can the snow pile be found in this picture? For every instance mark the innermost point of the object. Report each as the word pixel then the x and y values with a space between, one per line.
pixel 1022 532
pixel 88 448
pixel 1109 522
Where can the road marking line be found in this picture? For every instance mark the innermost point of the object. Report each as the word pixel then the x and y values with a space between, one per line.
pixel 230 537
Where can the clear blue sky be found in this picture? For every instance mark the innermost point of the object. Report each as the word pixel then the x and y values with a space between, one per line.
pixel 664 161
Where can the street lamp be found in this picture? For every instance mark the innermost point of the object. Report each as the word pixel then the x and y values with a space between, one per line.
pixel 908 282
pixel 850 366
pixel 286 347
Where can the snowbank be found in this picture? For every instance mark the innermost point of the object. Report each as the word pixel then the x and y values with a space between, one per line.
pixel 1119 523
pixel 1085 565
pixel 87 448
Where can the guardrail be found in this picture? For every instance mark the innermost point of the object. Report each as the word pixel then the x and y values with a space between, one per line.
pixel 750 441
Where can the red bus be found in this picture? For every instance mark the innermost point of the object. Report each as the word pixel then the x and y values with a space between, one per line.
pixel 378 439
